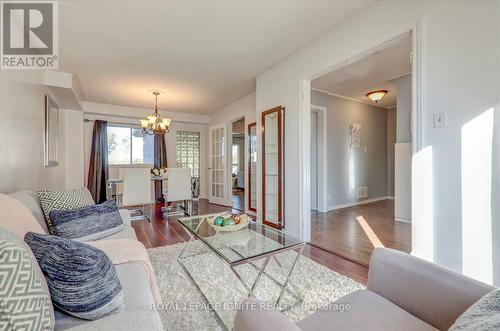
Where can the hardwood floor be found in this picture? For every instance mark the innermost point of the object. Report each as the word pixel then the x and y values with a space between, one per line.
pixel 238 199
pixel 159 232
pixel 341 232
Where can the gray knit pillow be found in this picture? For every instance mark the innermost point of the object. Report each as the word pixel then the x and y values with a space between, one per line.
pixel 484 315
pixel 82 279
pixel 87 223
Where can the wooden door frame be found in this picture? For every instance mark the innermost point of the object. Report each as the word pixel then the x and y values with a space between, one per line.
pixel 280 110
pixel 249 166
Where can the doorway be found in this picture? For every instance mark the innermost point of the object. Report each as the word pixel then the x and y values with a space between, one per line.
pixel 368 175
pixel 238 169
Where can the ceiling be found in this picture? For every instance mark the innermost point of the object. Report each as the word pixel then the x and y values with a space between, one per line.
pixel 370 73
pixel 202 54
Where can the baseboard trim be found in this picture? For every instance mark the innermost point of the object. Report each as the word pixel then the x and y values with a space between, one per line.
pixel 402 220
pixel 356 203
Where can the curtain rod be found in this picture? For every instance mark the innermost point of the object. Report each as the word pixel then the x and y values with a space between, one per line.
pixel 119 123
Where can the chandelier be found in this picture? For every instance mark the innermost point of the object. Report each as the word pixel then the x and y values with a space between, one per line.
pixel 154 124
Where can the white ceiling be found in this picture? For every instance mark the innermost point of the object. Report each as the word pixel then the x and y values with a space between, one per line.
pixel 370 73
pixel 202 54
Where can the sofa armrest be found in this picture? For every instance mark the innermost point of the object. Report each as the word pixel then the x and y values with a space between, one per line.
pixel 125 214
pixel 254 316
pixel 428 291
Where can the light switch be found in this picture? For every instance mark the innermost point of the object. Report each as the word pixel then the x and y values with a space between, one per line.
pixel 439 120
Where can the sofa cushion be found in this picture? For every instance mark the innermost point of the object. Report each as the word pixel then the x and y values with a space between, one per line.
pixel 126 233
pixel 483 315
pixel 22 285
pixel 367 311
pixel 81 278
pixel 30 200
pixel 87 223
pixel 16 217
pixel 62 200
pixel 138 314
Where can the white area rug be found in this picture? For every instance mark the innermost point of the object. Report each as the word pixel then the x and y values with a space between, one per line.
pixel 183 306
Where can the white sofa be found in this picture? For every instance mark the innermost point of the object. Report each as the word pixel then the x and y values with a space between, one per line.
pixel 139 313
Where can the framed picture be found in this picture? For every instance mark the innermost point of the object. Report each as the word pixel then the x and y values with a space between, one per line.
pixel 51 133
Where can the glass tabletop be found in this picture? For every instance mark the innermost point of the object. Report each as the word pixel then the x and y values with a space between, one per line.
pixel 253 241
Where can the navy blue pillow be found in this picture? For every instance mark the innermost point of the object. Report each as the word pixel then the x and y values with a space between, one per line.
pixel 82 280
pixel 87 223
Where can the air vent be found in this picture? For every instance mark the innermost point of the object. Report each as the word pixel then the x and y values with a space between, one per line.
pixel 362 192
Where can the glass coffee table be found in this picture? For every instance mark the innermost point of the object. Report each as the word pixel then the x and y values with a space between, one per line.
pixel 245 246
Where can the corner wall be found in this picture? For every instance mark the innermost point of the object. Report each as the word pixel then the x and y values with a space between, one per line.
pixel 21 134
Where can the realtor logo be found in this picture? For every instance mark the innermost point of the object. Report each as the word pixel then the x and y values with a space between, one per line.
pixel 29 36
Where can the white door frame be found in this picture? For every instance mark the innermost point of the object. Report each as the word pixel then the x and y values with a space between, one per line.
pixel 322 173
pixel 211 198
pixel 229 163
pixel 305 118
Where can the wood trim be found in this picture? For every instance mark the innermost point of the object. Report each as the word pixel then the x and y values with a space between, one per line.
pixel 278 110
pixel 250 126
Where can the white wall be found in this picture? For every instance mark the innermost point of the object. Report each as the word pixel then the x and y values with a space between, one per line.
pixel 391 140
pixel 349 168
pixel 21 134
pixel 74 149
pixel 245 107
pixel 403 120
pixel 458 67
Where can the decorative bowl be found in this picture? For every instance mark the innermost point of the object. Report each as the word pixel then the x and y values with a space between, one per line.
pixel 244 221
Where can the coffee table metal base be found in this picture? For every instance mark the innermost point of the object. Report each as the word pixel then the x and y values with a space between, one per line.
pixel 261 272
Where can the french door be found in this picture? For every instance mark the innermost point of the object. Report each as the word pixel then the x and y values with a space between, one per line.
pixel 217 164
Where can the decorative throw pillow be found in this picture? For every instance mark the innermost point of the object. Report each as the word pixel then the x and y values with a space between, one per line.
pixel 24 297
pixel 63 200
pixel 483 315
pixel 87 223
pixel 82 279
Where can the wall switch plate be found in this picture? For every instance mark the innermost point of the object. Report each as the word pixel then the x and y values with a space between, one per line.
pixel 439 120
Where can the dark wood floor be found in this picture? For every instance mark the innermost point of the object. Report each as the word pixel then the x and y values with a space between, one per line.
pixel 343 232
pixel 159 232
pixel 239 199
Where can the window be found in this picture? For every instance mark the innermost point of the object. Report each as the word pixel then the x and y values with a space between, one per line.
pixel 127 145
pixel 188 151
pixel 235 159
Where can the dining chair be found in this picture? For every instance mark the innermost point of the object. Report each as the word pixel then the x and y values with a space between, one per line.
pixel 137 191
pixel 119 187
pixel 178 191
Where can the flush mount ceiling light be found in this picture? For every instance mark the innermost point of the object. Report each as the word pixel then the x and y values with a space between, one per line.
pixel 154 124
pixel 376 95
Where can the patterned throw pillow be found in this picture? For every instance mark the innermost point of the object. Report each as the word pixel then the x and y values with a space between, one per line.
pixel 87 223
pixel 24 297
pixel 82 279
pixel 63 200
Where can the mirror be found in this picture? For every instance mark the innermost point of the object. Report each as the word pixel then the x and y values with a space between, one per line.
pixel 51 133
pixel 252 166
pixel 272 167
